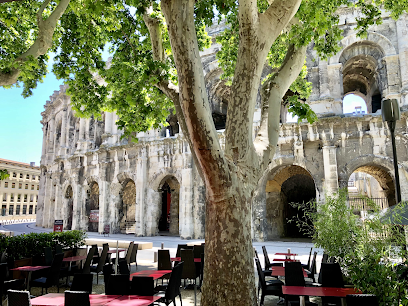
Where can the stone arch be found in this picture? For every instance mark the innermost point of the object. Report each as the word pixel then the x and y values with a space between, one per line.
pixel 68 206
pixel 155 182
pixel 379 167
pixel 127 206
pixel 169 205
pixel 380 40
pixel 282 183
pixel 92 198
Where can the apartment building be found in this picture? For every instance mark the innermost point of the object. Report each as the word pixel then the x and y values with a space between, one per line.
pixel 19 192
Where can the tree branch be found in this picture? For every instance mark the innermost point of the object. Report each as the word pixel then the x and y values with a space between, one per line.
pixel 156 39
pixel 278 14
pixel 278 86
pixel 41 45
pixel 194 103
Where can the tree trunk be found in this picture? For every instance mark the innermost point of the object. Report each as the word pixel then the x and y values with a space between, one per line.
pixel 229 267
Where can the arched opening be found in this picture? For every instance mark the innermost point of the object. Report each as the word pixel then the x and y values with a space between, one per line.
pixel 69 206
pixel 92 207
pixel 371 184
pixel 354 104
pixel 169 213
pixel 364 73
pixel 287 185
pixel 127 211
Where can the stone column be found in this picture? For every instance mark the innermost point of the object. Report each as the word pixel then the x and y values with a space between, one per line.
pixel 47 200
pixel 103 205
pixel 108 123
pixel 141 179
pixel 323 80
pixel 186 201
pixel 331 182
pixel 58 204
pixel 393 78
pixel 402 33
pixel 76 210
pixel 51 135
pixel 44 144
pixel 64 133
pixel 41 196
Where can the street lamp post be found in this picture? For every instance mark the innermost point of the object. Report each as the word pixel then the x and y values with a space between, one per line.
pixel 391 113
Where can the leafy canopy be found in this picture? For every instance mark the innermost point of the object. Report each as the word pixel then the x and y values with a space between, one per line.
pixel 87 26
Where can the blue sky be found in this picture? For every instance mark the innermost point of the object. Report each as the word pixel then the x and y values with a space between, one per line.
pixel 21 130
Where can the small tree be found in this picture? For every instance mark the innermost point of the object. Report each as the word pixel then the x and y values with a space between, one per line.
pixel 365 249
pixel 4 174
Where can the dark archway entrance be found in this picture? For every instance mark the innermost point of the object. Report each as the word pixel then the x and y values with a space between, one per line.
pixel 169 217
pixel 127 211
pixel 286 185
pixel 69 207
pixel 92 208
pixel 299 188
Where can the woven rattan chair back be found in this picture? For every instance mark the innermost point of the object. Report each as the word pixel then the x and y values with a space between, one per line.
pixel 77 298
pixel 18 298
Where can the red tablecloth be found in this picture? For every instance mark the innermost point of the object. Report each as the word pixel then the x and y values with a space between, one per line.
pixel 74 258
pixel 286 254
pixel 156 274
pixel 58 299
pixel 29 268
pixel 280 271
pixel 133 300
pixel 318 291
pixel 179 259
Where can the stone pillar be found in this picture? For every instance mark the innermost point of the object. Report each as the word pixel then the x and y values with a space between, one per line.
pixel 323 80
pixel 331 182
pixel 51 135
pixel 44 144
pixel 335 80
pixel 76 209
pixel 108 123
pixel 64 133
pixel 41 196
pixel 141 179
pixel 103 205
pixel 58 204
pixel 47 200
pixel 393 78
pixel 186 201
pixel 402 33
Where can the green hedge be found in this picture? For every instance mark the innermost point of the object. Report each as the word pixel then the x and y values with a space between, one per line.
pixel 29 245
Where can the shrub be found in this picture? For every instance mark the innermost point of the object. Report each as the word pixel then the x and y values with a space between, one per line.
pixel 365 249
pixel 33 244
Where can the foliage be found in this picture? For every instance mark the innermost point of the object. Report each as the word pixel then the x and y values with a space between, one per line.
pixel 33 244
pixel 87 26
pixel 365 249
pixel 4 174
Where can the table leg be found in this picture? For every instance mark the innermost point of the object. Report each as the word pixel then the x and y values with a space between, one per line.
pixel 29 280
pixel 302 300
pixel 343 302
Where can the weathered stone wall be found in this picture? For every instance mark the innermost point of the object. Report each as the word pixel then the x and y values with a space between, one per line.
pixel 325 153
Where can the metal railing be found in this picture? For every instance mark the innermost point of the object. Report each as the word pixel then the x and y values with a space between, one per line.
pixel 365 203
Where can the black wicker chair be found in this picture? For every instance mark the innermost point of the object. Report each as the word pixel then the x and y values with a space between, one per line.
pixel 307 266
pixel 142 285
pixel 294 277
pixel 189 269
pixel 77 298
pixel 82 282
pixel 6 283
pixel 134 254
pixel 118 284
pixel 98 268
pixel 267 289
pixel 52 277
pixel 331 276
pixel 312 271
pixel 172 290
pixel 18 298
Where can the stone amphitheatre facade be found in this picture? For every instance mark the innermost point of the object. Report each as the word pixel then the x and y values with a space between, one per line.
pixel 91 178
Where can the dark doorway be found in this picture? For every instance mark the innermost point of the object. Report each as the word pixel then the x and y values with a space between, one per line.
pixel 92 207
pixel 164 221
pixel 70 207
pixel 299 188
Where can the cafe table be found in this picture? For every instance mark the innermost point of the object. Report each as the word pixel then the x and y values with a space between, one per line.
pixel 156 274
pixel 179 259
pixel 133 300
pixel 58 299
pixel 280 271
pixel 318 291
pixel 30 270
